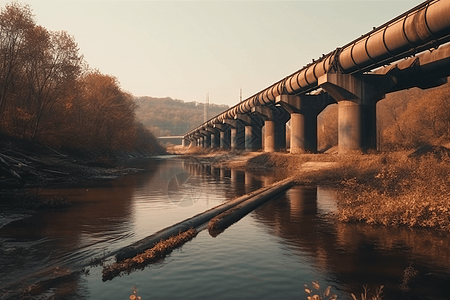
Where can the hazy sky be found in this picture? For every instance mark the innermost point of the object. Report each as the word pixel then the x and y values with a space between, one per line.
pixel 186 49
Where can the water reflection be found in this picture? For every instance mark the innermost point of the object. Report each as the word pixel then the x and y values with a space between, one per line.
pixel 355 254
pixel 40 246
pixel 286 242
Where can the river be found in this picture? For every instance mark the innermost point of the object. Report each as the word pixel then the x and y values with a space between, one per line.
pixel 270 254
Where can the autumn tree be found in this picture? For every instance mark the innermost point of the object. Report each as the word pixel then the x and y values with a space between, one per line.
pixel 104 112
pixel 49 76
pixel 49 96
pixel 16 21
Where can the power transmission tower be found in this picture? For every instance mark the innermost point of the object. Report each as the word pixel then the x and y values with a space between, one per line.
pixel 205 108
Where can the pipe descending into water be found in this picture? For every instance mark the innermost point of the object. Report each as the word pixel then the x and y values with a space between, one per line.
pixel 224 220
pixel 424 27
pixel 193 222
pixel 157 245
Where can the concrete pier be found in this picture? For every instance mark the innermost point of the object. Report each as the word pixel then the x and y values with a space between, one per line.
pixel 357 97
pixel 253 131
pixel 237 134
pixel 206 138
pixel 275 118
pixel 225 136
pixel 214 137
pixel 304 111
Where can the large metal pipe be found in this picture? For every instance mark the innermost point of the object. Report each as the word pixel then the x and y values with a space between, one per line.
pixel 424 27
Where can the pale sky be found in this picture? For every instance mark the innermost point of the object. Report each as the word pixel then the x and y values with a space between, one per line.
pixel 186 49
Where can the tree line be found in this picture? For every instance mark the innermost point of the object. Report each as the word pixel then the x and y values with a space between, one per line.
pixel 405 120
pixel 49 95
pixel 167 116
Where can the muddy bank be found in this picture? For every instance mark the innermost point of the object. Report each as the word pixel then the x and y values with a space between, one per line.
pixel 289 164
pixel 35 166
pixel 27 169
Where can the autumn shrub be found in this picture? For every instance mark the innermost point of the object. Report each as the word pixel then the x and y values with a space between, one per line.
pixel 327 128
pixel 422 119
pixel 405 191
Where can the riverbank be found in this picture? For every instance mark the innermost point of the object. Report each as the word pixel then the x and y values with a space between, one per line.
pixel 405 188
pixel 25 165
pixel 26 168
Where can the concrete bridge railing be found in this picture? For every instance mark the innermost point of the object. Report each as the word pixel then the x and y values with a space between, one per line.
pixel 355 76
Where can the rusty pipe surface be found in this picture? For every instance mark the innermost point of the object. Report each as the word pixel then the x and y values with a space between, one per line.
pixel 423 27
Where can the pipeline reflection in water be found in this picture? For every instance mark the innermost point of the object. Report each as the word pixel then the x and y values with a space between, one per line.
pixel 284 243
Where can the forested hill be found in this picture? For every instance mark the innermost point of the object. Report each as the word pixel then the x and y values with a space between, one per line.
pixel 167 116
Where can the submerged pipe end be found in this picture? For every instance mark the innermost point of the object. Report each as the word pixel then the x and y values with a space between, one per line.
pixel 125 253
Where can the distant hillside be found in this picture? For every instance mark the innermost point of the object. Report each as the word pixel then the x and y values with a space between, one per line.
pixel 167 116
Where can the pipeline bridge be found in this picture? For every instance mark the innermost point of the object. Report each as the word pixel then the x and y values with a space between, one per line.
pixel 411 50
pixel 173 139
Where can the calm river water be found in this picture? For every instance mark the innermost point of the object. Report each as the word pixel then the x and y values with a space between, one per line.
pixel 269 254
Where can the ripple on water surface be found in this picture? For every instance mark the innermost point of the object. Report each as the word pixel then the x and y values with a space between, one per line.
pixel 269 254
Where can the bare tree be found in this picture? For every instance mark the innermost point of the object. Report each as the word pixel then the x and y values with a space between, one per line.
pixel 16 20
pixel 50 73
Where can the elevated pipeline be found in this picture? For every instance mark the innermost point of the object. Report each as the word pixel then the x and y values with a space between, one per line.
pixel 423 27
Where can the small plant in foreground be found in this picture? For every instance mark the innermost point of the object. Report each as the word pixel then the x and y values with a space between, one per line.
pixel 409 275
pixel 319 295
pixel 364 296
pixel 134 295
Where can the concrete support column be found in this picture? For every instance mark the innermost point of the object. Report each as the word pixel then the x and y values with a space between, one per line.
pixel 275 118
pixel 269 136
pixel 207 141
pixel 216 140
pixel 252 131
pixel 304 111
pixel 357 96
pixel 213 141
pixel 357 126
pixel 236 134
pixel 253 137
pixel 214 137
pixel 233 138
pixel 206 135
pixel 303 132
pixel 225 136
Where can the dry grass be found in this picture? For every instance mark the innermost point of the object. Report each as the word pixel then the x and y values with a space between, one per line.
pixel 388 189
pixel 398 191
pixel 159 251
pixel 393 188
